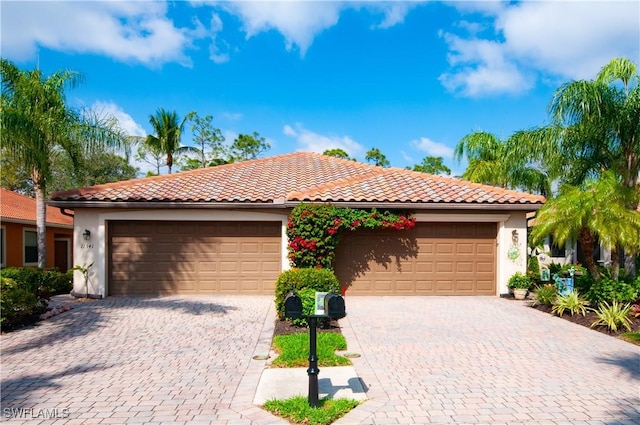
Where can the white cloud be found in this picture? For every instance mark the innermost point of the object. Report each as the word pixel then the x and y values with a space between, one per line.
pixel 127 123
pixel 394 13
pixel 309 141
pixel 300 22
pixel 126 31
pixel 572 39
pixel 566 39
pixel 215 52
pixel 432 148
pixel 493 73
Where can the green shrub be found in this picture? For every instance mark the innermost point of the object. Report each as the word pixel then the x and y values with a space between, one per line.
pixel 43 283
pixel 57 282
pixel 613 316
pixel 583 283
pixel 610 290
pixel 572 303
pixel 546 294
pixel 519 281
pixel 554 268
pixel 27 277
pixel 310 280
pixel 17 303
pixel 533 268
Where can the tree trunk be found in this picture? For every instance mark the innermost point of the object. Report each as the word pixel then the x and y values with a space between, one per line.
pixel 615 262
pixel 586 240
pixel 630 265
pixel 41 219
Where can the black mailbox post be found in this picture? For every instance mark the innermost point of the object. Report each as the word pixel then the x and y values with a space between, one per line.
pixel 334 309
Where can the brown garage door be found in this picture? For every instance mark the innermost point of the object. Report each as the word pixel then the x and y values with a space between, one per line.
pixel 430 259
pixel 163 257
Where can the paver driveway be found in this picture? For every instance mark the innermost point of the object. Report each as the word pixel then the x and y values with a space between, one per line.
pixel 485 360
pixel 180 360
pixel 173 360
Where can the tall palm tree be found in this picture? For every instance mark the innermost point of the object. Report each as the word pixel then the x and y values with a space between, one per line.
pixel 595 126
pixel 168 131
pixel 492 162
pixel 598 208
pixel 37 123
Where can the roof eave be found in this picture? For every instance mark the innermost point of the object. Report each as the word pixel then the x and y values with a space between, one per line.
pixel 427 205
pixel 33 223
pixel 163 204
pixel 291 204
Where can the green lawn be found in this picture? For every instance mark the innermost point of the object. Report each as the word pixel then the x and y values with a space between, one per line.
pixel 293 350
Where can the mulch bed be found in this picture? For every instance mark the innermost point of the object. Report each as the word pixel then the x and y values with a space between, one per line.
pixel 285 328
pixel 589 318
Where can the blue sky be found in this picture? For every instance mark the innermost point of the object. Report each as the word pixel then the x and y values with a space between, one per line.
pixel 409 78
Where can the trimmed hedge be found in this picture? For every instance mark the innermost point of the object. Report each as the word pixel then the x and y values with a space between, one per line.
pixel 48 282
pixel 306 282
pixel 25 292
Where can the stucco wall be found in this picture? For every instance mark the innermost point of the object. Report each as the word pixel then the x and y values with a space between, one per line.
pixel 14 243
pixel 94 251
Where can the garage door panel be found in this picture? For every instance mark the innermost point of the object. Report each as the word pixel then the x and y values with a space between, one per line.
pixel 437 258
pixel 193 257
pixel 486 249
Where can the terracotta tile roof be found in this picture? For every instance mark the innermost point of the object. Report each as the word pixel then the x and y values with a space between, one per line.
pixel 298 177
pixel 16 207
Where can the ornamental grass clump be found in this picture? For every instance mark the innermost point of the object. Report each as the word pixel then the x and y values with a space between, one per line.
pixel 572 303
pixel 614 316
pixel 545 295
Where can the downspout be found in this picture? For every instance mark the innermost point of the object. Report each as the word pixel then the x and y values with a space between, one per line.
pixel 63 211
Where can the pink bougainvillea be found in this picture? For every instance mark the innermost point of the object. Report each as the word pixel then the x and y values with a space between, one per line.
pixel 314 231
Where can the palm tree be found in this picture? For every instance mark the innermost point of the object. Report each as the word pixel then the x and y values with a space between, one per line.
pixel 168 129
pixel 595 126
pixel 37 124
pixel 599 209
pixel 492 162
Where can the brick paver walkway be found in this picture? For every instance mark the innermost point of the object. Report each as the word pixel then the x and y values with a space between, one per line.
pixel 485 360
pixel 166 360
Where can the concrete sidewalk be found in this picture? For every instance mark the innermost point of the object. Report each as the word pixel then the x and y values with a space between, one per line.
pixel 333 382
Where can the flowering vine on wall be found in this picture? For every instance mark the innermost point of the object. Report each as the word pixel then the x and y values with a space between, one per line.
pixel 314 230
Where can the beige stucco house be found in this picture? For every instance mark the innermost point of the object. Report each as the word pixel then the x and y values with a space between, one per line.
pixel 223 229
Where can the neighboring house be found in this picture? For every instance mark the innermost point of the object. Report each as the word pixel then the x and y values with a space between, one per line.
pixel 223 229
pixel 18 238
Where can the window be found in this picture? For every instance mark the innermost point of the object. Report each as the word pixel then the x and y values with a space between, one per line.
pixel 556 251
pixel 30 248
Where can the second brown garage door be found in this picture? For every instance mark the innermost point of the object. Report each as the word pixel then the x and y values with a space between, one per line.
pixel 163 257
pixel 430 259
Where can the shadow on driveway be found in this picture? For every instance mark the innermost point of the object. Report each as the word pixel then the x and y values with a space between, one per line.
pixel 86 317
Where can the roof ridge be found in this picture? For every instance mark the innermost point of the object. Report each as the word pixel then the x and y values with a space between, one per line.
pixel 335 183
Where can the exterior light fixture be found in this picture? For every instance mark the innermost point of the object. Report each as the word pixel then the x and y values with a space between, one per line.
pixel 86 235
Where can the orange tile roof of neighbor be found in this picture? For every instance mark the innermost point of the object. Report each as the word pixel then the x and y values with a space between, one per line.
pixel 20 208
pixel 291 178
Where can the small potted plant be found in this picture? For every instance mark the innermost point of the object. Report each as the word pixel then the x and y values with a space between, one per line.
pixel 520 284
